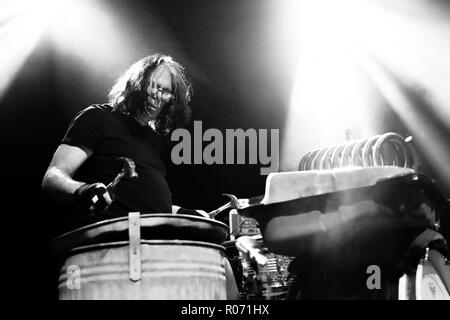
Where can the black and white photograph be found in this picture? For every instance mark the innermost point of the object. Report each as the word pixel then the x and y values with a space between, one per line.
pixel 253 153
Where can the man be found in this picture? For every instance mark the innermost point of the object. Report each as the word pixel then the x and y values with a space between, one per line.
pixel 147 102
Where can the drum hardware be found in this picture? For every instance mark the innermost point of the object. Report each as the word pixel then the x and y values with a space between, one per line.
pixel 264 274
pixel 249 246
pixel 381 150
pixel 242 226
pixel 134 234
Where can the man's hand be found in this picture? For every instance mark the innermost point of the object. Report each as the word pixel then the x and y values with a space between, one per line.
pixel 93 197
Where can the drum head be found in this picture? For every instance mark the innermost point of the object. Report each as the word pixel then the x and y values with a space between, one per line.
pixel 160 226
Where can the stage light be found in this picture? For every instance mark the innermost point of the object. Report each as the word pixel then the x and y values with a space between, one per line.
pixel 357 56
pixel 22 23
pixel 89 34
pixel 329 96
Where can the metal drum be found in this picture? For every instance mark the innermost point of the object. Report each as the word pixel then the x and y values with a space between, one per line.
pixel 134 258
pixel 180 270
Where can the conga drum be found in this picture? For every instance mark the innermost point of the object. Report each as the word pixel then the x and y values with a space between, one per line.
pixel 150 256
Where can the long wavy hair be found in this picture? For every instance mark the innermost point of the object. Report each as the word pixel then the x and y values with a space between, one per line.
pixel 129 93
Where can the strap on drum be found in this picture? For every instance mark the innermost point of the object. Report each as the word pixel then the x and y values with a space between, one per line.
pixel 134 233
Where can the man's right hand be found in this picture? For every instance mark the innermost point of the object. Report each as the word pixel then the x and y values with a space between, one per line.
pixel 93 197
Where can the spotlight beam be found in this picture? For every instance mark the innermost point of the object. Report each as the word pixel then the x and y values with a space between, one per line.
pixel 431 141
pixel 20 29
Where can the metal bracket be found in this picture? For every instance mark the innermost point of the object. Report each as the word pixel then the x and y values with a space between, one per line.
pixel 134 234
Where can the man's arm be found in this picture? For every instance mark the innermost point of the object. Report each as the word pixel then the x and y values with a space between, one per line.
pixel 58 180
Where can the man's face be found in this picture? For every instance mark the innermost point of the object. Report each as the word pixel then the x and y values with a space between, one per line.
pixel 159 92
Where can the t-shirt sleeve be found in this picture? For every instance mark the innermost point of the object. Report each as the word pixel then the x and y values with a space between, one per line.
pixel 85 129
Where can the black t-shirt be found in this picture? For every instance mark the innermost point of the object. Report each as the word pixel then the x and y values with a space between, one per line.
pixel 110 135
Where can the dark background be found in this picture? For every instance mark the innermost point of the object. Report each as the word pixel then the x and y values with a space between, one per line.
pixel 240 78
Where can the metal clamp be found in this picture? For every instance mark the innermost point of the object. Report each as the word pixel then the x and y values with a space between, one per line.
pixel 134 234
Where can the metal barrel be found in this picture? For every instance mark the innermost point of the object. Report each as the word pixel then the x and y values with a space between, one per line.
pixel 170 270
